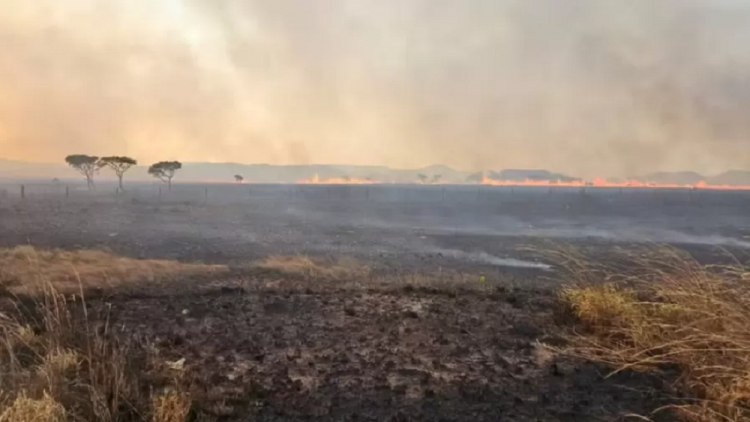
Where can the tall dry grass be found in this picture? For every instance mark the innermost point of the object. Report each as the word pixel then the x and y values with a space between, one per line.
pixel 659 310
pixel 57 367
pixel 26 268
pixel 60 363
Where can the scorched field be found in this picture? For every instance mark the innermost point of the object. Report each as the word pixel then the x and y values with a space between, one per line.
pixel 353 303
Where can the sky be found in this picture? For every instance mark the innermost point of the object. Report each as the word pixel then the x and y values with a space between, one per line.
pixel 586 87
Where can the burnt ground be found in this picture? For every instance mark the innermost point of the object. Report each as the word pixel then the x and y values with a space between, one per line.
pixel 263 345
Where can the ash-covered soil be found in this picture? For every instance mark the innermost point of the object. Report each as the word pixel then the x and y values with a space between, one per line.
pixel 265 345
pixel 402 354
pixel 408 235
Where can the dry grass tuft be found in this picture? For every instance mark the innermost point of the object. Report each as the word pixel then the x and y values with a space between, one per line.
pixel 601 306
pixel 25 409
pixel 25 267
pixel 59 358
pixel 305 266
pixel 170 406
pixel 665 311
pixel 63 369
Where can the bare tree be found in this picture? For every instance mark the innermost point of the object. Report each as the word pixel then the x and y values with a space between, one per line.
pixel 119 165
pixel 238 178
pixel 164 171
pixel 422 178
pixel 436 178
pixel 87 165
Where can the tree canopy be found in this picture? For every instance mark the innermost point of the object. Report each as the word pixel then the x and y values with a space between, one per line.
pixel 164 170
pixel 87 165
pixel 79 160
pixel 118 164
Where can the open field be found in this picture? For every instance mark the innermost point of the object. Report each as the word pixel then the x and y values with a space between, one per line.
pixel 338 303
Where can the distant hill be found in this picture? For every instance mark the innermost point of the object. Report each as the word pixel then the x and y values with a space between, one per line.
pixel 520 175
pixel 268 173
pixel 673 177
pixel 23 170
pixel 732 177
pixel 224 172
pixel 517 174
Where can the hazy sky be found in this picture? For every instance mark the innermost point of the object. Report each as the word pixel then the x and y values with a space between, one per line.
pixel 590 87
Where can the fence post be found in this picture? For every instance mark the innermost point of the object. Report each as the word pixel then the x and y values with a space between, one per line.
pixel 67 191
pixel 23 192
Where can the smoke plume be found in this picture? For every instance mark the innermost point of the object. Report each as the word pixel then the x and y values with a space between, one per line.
pixel 589 87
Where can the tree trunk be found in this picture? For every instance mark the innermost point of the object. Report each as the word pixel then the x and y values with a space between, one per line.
pixel 120 178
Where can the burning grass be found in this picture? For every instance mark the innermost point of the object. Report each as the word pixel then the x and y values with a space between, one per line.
pixel 25 267
pixel 664 315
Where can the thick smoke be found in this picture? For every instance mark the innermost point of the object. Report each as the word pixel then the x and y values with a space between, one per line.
pixel 589 87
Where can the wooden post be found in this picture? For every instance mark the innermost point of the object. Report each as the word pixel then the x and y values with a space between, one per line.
pixel 67 191
pixel 23 192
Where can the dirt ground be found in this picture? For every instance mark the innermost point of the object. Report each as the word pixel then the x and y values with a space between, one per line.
pixel 444 325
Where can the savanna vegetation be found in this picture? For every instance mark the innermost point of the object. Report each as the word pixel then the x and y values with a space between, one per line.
pixel 89 166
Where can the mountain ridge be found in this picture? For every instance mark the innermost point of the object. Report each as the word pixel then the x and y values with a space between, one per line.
pixel 270 173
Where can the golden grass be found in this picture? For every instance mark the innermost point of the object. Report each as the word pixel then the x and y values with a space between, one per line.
pixel 170 406
pixel 68 371
pixel 666 311
pixel 55 366
pixel 25 267
pixel 301 265
pixel 25 409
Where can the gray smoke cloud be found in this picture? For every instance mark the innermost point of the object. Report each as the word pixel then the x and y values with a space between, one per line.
pixel 589 87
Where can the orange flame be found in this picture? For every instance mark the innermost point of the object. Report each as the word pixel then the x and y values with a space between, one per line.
pixel 315 180
pixel 598 182
pixel 604 183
